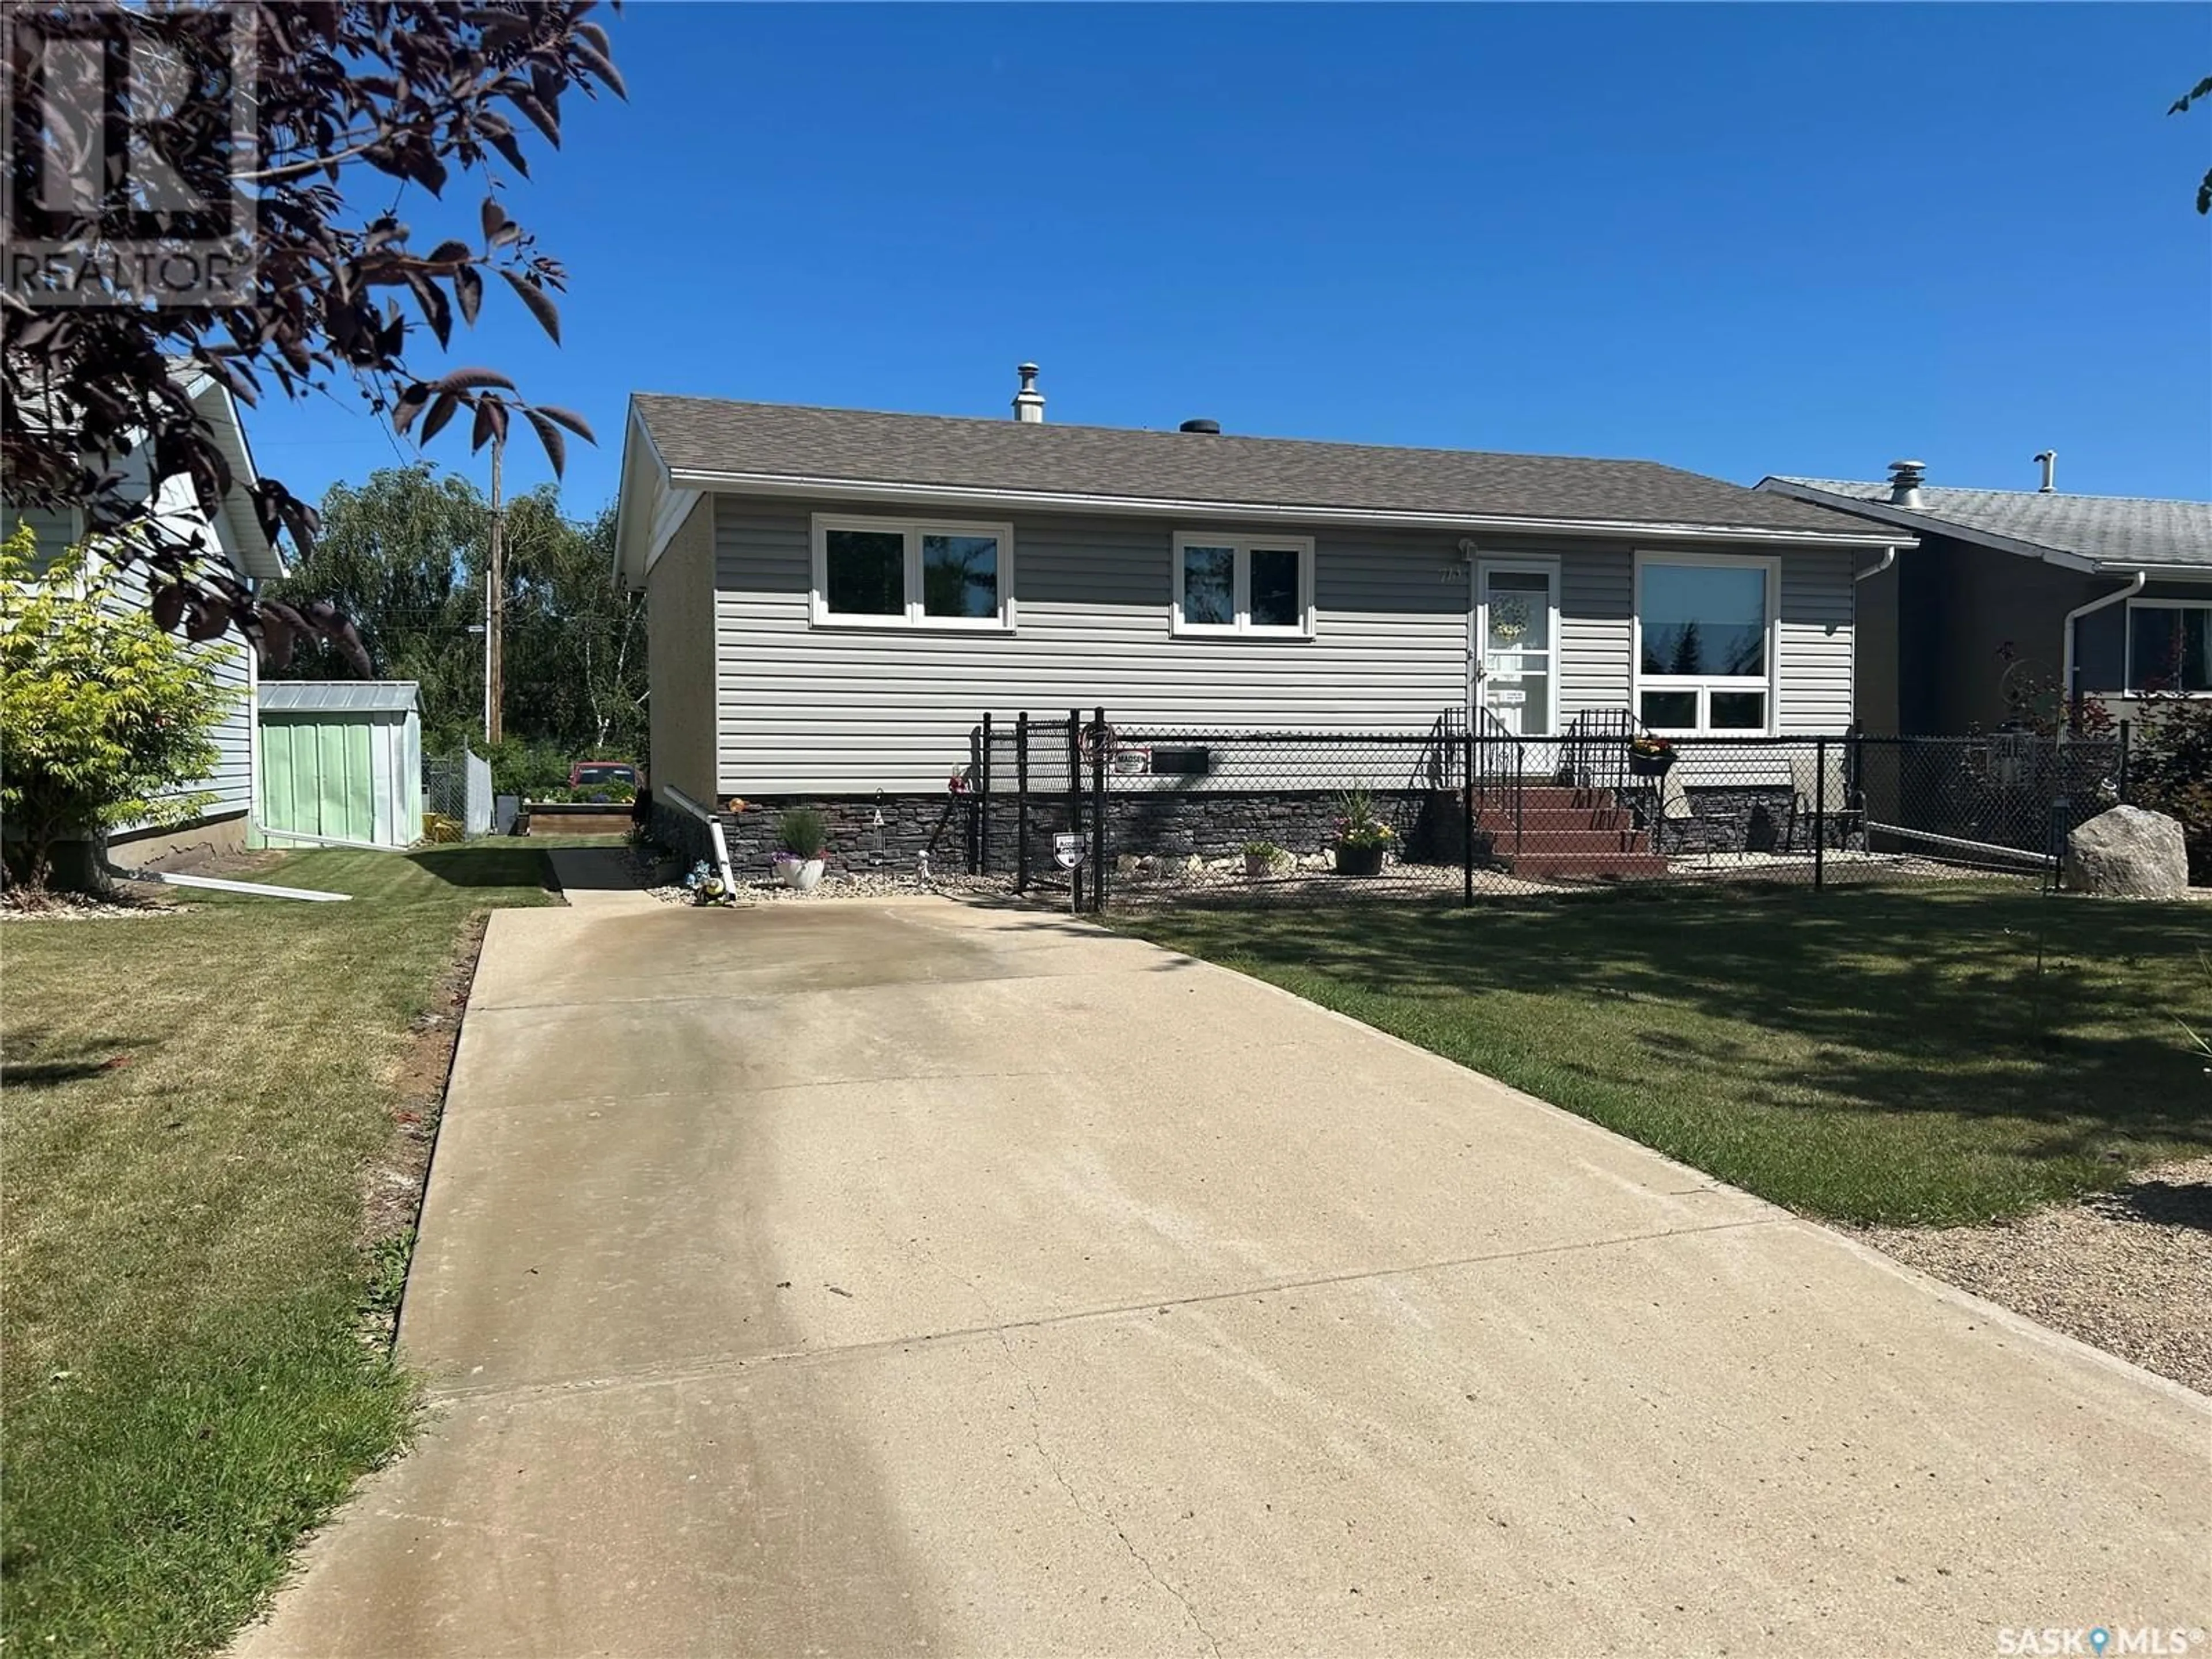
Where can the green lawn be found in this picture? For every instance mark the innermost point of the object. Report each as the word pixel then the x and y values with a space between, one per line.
pixel 190 1103
pixel 1861 1056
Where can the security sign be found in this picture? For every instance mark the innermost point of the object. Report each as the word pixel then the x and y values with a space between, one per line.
pixel 1067 850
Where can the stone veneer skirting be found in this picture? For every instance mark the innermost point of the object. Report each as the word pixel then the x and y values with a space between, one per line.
pixel 894 832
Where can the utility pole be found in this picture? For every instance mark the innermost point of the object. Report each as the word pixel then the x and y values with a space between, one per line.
pixel 495 605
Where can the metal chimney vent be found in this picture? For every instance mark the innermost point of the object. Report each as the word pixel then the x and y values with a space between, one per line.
pixel 1028 401
pixel 1905 480
pixel 1212 427
pixel 2048 459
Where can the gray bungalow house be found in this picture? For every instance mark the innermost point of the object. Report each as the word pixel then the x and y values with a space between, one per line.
pixel 837 596
pixel 2012 594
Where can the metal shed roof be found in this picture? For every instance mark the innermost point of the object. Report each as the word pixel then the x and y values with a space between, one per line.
pixel 337 696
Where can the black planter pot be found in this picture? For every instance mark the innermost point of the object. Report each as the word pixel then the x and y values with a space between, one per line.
pixel 1359 860
pixel 1649 766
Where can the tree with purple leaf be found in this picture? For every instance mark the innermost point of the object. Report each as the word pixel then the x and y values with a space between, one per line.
pixel 395 93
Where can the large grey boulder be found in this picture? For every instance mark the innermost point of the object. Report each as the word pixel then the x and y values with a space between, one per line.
pixel 2129 852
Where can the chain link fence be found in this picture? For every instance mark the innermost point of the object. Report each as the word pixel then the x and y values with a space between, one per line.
pixel 456 792
pixel 1455 812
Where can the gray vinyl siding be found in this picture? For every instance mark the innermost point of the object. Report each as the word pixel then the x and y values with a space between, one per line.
pixel 230 782
pixel 1815 649
pixel 838 710
pixel 1597 587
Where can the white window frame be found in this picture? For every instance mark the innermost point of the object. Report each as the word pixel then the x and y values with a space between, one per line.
pixel 2128 687
pixel 1706 684
pixel 914 618
pixel 1244 627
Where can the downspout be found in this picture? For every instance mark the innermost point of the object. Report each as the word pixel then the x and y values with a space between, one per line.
pixel 1889 558
pixel 2135 585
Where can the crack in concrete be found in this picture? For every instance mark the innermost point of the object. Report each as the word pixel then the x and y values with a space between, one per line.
pixel 999 1329
pixel 696 1367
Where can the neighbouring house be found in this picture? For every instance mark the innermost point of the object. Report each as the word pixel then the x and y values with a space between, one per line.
pixel 235 534
pixel 2014 597
pixel 836 597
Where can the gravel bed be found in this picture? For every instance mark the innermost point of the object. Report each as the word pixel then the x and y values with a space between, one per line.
pixel 124 907
pixel 2128 1271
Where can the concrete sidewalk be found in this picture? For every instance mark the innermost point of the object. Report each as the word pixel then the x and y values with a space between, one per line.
pixel 862 1278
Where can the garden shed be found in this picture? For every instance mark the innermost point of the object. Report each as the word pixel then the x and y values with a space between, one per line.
pixel 341 762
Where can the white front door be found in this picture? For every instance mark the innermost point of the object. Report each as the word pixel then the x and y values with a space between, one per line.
pixel 1517 625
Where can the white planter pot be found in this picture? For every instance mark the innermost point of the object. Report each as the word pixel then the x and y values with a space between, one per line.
pixel 804 878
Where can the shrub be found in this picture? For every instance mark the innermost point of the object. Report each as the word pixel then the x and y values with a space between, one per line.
pixel 802 832
pixel 104 717
pixel 1262 852
pixel 525 766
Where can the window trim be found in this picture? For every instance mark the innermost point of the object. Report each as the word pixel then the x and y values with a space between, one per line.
pixel 2128 686
pixel 1242 545
pixel 914 618
pixel 1706 684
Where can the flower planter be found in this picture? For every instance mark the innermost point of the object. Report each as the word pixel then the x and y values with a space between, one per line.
pixel 1359 860
pixel 802 875
pixel 1259 864
pixel 1649 766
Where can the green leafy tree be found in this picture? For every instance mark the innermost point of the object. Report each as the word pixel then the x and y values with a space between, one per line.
pixel 404 555
pixel 103 718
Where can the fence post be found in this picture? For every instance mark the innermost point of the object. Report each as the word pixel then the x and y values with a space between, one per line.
pixel 1022 802
pixel 1098 813
pixel 2123 781
pixel 1466 825
pixel 1075 799
pixel 1819 812
pixel 983 805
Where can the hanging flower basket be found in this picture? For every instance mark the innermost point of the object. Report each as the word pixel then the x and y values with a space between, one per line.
pixel 1649 757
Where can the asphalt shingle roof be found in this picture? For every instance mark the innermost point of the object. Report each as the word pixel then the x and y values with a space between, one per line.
pixel 2123 531
pixel 705 434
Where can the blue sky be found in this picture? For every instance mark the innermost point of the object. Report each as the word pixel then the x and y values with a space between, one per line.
pixel 1737 239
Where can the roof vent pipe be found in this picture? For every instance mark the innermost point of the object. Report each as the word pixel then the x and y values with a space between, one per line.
pixel 1211 427
pixel 1905 480
pixel 2048 460
pixel 1028 401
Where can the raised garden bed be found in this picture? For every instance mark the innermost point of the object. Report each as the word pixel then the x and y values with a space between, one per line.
pixel 573 817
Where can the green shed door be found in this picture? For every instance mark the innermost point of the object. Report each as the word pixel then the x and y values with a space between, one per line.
pixel 317 778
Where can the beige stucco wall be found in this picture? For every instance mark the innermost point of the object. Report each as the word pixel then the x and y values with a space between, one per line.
pixel 679 596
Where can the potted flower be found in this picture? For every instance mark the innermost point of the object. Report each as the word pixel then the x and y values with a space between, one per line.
pixel 1649 757
pixel 1361 839
pixel 801 834
pixel 1261 858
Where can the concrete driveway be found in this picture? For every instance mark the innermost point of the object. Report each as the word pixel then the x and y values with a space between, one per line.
pixel 901 1278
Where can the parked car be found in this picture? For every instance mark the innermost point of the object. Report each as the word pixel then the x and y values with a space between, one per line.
pixel 583 774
